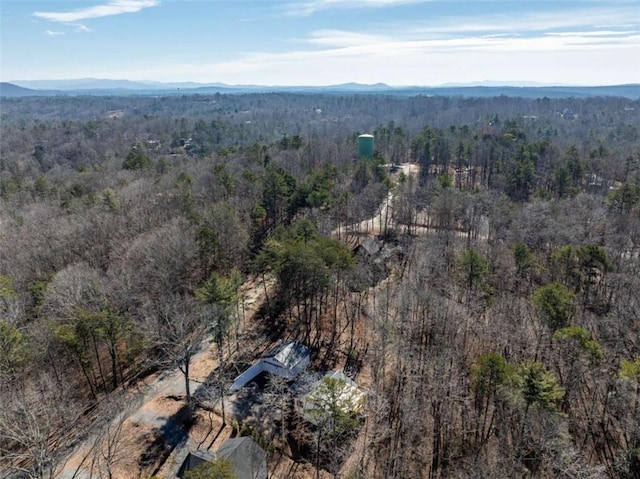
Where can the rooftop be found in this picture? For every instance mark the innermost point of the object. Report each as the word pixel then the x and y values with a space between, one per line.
pixel 289 354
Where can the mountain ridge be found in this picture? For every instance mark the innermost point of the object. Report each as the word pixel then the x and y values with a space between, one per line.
pixel 96 86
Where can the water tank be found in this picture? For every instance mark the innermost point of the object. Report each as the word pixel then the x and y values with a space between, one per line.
pixel 365 146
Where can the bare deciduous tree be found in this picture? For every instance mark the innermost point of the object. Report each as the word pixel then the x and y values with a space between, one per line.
pixel 177 326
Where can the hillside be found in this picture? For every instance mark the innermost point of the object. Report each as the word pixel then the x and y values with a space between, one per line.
pixel 462 303
pixel 9 90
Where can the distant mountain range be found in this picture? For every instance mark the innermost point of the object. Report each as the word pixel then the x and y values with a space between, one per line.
pixel 100 84
pixel 9 90
pixel 94 86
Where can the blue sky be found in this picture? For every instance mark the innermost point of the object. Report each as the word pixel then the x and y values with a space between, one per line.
pixel 322 42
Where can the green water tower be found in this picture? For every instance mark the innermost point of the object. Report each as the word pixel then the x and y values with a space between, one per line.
pixel 365 146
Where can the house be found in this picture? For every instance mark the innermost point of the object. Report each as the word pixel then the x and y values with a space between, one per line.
pixel 369 247
pixel 330 390
pixel 195 459
pixel 248 459
pixel 287 361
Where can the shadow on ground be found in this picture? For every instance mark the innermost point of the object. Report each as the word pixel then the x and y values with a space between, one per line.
pixel 174 432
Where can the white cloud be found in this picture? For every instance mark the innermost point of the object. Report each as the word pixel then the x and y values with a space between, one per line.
pixel 578 66
pixel 53 33
pixel 114 7
pixel 345 43
pixel 347 56
pixel 81 28
pixel 583 18
pixel 595 33
pixel 310 7
pixel 342 38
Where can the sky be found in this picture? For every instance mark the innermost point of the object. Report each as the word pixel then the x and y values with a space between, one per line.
pixel 323 42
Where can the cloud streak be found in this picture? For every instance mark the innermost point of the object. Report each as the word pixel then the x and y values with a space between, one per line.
pixel 394 48
pixel 114 7
pixel 525 24
pixel 52 33
pixel 338 43
pixel 81 28
pixel 591 28
pixel 307 8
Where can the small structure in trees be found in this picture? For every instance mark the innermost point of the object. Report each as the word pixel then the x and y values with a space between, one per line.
pixel 195 459
pixel 332 393
pixel 368 247
pixel 334 405
pixel 287 361
pixel 365 146
pixel 248 459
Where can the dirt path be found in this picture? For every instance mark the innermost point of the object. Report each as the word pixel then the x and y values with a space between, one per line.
pixel 384 216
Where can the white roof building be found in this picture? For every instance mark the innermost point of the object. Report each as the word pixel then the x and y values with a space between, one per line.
pixel 287 361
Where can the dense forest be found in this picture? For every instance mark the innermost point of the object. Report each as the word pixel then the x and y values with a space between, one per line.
pixel 493 323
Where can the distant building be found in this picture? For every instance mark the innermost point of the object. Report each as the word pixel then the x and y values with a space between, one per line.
pixel 368 247
pixel 115 114
pixel 153 145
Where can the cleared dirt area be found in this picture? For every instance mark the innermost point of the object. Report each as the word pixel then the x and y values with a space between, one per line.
pixel 151 422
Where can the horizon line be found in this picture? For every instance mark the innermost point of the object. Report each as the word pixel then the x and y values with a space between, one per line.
pixel 199 84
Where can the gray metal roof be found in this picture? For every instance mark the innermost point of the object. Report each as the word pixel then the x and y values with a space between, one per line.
pixel 289 354
pixel 195 459
pixel 249 460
